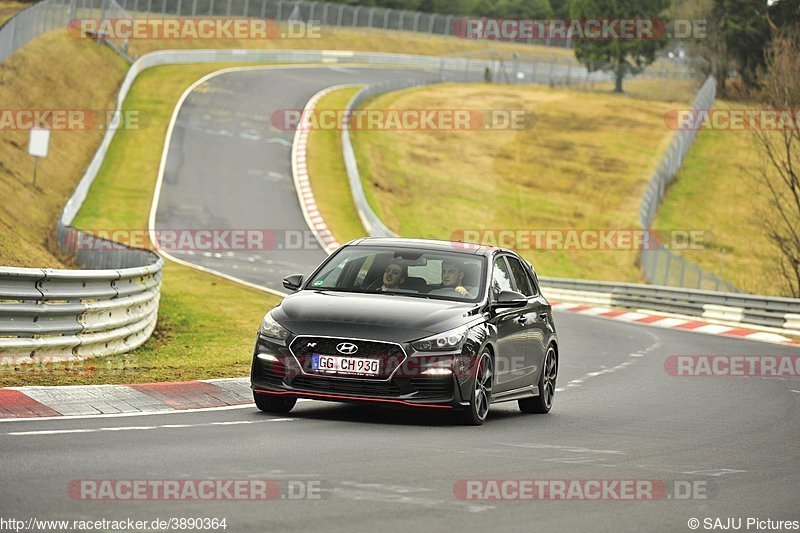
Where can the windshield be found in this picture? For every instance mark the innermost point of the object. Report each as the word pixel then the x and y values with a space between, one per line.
pixel 407 271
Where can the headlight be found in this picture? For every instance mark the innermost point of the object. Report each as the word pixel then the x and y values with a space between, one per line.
pixel 270 328
pixel 447 341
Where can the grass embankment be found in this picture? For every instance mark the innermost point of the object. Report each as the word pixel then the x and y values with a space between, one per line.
pixel 584 165
pixel 717 191
pixel 28 213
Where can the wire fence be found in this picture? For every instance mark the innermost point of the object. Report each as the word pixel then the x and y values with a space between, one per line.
pixel 660 265
pixel 52 14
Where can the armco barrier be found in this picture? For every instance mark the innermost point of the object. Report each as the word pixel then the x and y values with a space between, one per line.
pixel 372 224
pixel 725 307
pixel 51 315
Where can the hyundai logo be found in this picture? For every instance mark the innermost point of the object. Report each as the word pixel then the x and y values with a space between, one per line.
pixel 347 348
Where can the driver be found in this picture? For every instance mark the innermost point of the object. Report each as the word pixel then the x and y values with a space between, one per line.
pixel 452 278
pixel 393 276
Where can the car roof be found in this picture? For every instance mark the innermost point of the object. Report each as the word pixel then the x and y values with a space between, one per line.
pixel 429 244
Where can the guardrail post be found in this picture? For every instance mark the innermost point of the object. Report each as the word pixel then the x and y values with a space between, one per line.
pixel 654 265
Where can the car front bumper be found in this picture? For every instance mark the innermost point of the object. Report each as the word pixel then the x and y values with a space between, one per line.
pixel 277 371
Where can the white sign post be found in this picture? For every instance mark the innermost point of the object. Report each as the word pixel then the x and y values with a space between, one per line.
pixel 37 147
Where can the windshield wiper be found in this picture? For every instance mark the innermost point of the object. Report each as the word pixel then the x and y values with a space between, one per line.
pixel 412 294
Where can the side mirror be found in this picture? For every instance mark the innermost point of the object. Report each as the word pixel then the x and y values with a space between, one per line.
pixel 510 299
pixel 293 281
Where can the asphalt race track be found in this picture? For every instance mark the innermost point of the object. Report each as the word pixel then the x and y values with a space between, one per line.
pixel 228 167
pixel 618 414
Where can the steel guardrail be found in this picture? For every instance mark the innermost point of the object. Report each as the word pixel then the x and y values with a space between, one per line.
pixel 55 315
pixel 730 307
pixel 371 222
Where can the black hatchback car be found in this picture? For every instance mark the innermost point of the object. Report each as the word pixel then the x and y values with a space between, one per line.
pixel 417 323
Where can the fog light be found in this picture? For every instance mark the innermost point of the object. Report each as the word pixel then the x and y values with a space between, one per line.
pixel 267 357
pixel 437 372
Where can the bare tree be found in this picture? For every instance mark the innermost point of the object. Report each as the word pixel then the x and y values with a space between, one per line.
pixel 780 90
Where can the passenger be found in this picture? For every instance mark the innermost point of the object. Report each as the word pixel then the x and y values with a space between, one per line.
pixel 452 278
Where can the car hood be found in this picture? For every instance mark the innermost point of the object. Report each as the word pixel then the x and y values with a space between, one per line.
pixel 370 316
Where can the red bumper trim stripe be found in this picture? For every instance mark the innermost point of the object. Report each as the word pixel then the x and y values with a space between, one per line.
pixel 358 398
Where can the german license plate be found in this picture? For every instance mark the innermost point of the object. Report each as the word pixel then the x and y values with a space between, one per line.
pixel 345 365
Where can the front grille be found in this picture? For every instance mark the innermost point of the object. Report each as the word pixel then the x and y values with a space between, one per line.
pixel 432 387
pixel 342 386
pixel 390 355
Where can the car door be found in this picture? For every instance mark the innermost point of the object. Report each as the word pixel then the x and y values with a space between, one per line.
pixel 511 332
pixel 536 328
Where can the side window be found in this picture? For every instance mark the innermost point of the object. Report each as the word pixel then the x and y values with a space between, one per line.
pixel 520 276
pixel 534 281
pixel 501 278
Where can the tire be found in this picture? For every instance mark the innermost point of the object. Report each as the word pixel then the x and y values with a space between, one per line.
pixel 481 396
pixel 547 386
pixel 270 404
